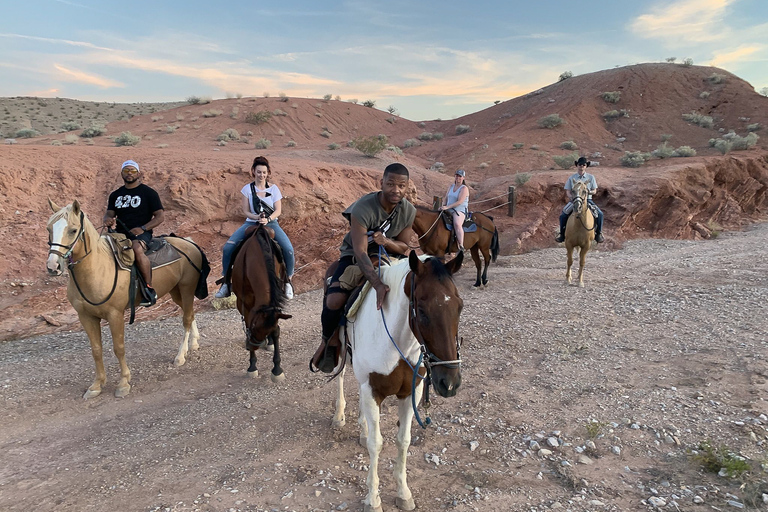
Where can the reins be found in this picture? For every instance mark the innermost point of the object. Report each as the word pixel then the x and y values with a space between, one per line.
pixel 579 214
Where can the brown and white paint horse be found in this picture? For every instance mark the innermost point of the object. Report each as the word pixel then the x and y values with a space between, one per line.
pixel 421 312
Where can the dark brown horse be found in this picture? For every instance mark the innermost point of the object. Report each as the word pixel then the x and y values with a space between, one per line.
pixel 258 281
pixel 436 239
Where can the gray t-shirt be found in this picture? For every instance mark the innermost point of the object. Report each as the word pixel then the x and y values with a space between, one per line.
pixel 368 212
pixel 589 179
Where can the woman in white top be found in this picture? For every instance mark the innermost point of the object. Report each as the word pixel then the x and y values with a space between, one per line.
pixel 270 195
pixel 456 200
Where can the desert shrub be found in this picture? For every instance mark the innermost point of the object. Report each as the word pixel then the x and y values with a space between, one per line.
pixel 722 145
pixel 612 114
pixel 535 147
pixel 370 146
pixel 68 126
pixel 26 133
pixel 127 139
pixel 332 146
pixel 326 134
pixel 229 134
pixel 483 165
pixel 337 98
pixel 521 178
pixel 156 118
pixel 409 143
pixel 671 59
pixel 422 124
pixel 369 103
pixel 279 113
pixel 565 161
pixel 290 144
pixel 265 94
pixel 318 114
pixel 612 97
pixel 747 142
pixel 754 127
pixel 684 151
pixel 665 137
pixel 262 116
pixel 425 136
pixel 569 144
pixel 212 113
pixel 663 151
pixel 463 128
pixel 56 143
pixel 396 150
pixel 171 128
pixel 704 95
pixel 354 101
pixel 715 459
pixel 687 62
pixel 699 119
pixel 233 114
pixel 437 166
pixel 437 136
pixel 193 100
pixel 328 97
pixel 283 97
pixel 518 145
pixel 565 75
pixel 634 158
pixel 222 143
pixel 391 120
pixel 716 78
pixel 262 144
pixel 550 121
pixel 71 138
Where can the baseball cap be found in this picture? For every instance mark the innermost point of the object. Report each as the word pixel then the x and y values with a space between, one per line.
pixel 461 173
pixel 130 163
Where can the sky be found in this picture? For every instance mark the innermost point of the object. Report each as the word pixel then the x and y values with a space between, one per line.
pixel 428 59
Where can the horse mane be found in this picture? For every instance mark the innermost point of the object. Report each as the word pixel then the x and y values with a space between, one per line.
pixel 397 271
pixel 277 297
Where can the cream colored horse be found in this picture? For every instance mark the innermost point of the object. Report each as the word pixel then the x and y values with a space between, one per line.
pixel 98 290
pixel 579 231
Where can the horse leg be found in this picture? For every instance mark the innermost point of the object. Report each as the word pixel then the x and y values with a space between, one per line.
pixel 252 371
pixel 486 263
pixel 184 301
pixel 570 262
pixel 92 326
pixel 362 423
pixel 117 328
pixel 277 372
pixel 372 415
pixel 582 263
pixel 476 258
pixel 404 500
pixel 339 418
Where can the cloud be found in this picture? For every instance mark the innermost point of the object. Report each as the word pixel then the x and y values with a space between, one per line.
pixel 68 42
pixel 732 57
pixel 691 21
pixel 72 75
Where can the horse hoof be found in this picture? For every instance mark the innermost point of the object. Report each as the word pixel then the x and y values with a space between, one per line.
pixel 254 374
pixel 123 392
pixel 581 285
pixel 476 285
pixel 337 424
pixel 179 361
pixel 91 393
pixel 405 504
pixel 195 346
pixel 277 378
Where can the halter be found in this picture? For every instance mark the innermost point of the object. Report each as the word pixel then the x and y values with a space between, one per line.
pixel 579 201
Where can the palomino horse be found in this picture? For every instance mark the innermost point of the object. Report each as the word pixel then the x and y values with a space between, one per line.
pixel 258 281
pixel 98 290
pixel 419 319
pixel 435 239
pixel 579 231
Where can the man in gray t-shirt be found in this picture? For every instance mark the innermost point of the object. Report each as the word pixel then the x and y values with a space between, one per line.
pixel 382 218
pixel 582 175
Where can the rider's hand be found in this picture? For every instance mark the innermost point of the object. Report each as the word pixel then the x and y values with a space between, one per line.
pixel 381 293
pixel 137 231
pixel 443 208
pixel 111 222
pixel 263 220
pixel 380 238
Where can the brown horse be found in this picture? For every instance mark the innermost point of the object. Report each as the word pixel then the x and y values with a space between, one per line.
pixel 436 239
pixel 579 231
pixel 258 281
pixel 418 324
pixel 98 290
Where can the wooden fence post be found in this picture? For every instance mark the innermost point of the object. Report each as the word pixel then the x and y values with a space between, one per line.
pixel 511 198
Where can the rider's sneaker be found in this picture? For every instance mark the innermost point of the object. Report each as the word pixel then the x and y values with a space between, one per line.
pixel 560 238
pixel 223 291
pixel 150 299
pixel 288 291
pixel 599 238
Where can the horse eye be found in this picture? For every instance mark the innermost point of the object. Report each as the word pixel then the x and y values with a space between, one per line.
pixel 72 231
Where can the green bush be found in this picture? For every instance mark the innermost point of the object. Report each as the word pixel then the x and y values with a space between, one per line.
pixel 634 158
pixel 56 143
pixel 565 75
pixel 438 136
pixel 704 95
pixel 26 133
pixel 291 144
pixel 258 117
pixel 279 113
pixel 396 150
pixel 754 127
pixel 518 145
pixel 462 129
pixel 612 114
pixel 665 137
pixel 283 97
pixel 326 134
pixel 722 145
pixel 663 151
pixel 68 126
pixel 127 139
pixel 687 62
pixel 699 119
pixel 71 139
pixel 569 144
pixel 409 143
pixel 328 97
pixel 566 161
pixel 262 144
pixel 212 113
pixel 716 459
pixel 369 103
pixel 612 97
pixel 194 100
pixel 685 151
pixel 229 134
pixel 370 146
pixel 521 178
pixel 171 128
pixel 425 136
pixel 550 121
pixel 740 143
pixel 716 78
pixel 332 146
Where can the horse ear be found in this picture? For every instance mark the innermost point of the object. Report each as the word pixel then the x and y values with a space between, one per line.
pixel 414 262
pixel 76 207
pixel 454 265
pixel 53 205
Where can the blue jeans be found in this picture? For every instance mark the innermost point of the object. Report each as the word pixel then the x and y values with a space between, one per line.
pixel 598 221
pixel 280 237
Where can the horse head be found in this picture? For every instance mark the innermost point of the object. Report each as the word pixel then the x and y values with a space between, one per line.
pixel 581 194
pixel 65 228
pixel 260 322
pixel 434 309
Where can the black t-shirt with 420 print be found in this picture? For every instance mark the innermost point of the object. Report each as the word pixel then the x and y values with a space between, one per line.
pixel 134 206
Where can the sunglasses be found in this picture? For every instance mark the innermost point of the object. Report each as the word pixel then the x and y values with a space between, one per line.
pixel 130 170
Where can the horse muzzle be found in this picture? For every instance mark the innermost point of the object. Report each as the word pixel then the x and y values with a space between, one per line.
pixel 55 265
pixel 446 381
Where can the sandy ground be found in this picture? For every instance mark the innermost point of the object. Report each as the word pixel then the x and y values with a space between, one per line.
pixel 572 399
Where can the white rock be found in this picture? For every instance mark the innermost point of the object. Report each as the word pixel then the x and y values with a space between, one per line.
pixel 657 502
pixel 553 442
pixel 616 450
pixel 596 503
pixel 544 452
pixel 590 444
pixel 534 445
pixel 698 499
pixel 473 445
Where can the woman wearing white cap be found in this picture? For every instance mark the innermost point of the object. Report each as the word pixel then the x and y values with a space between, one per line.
pixel 456 201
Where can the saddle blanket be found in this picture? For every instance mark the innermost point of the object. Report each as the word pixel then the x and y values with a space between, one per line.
pixel 159 251
pixel 469 224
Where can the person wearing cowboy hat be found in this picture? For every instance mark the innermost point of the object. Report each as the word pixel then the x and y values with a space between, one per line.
pixel 582 175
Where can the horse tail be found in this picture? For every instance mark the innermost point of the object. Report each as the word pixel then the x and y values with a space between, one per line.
pixel 495 244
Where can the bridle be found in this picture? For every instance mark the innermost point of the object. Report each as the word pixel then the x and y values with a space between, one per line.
pixel 578 206
pixel 430 359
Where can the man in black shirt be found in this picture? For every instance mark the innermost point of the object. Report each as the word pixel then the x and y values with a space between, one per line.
pixel 134 210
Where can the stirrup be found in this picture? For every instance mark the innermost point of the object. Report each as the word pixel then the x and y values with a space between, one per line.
pixel 599 238
pixel 560 238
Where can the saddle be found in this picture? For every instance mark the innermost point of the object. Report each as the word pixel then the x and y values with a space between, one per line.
pixel 159 251
pixel 276 250
pixel 469 225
